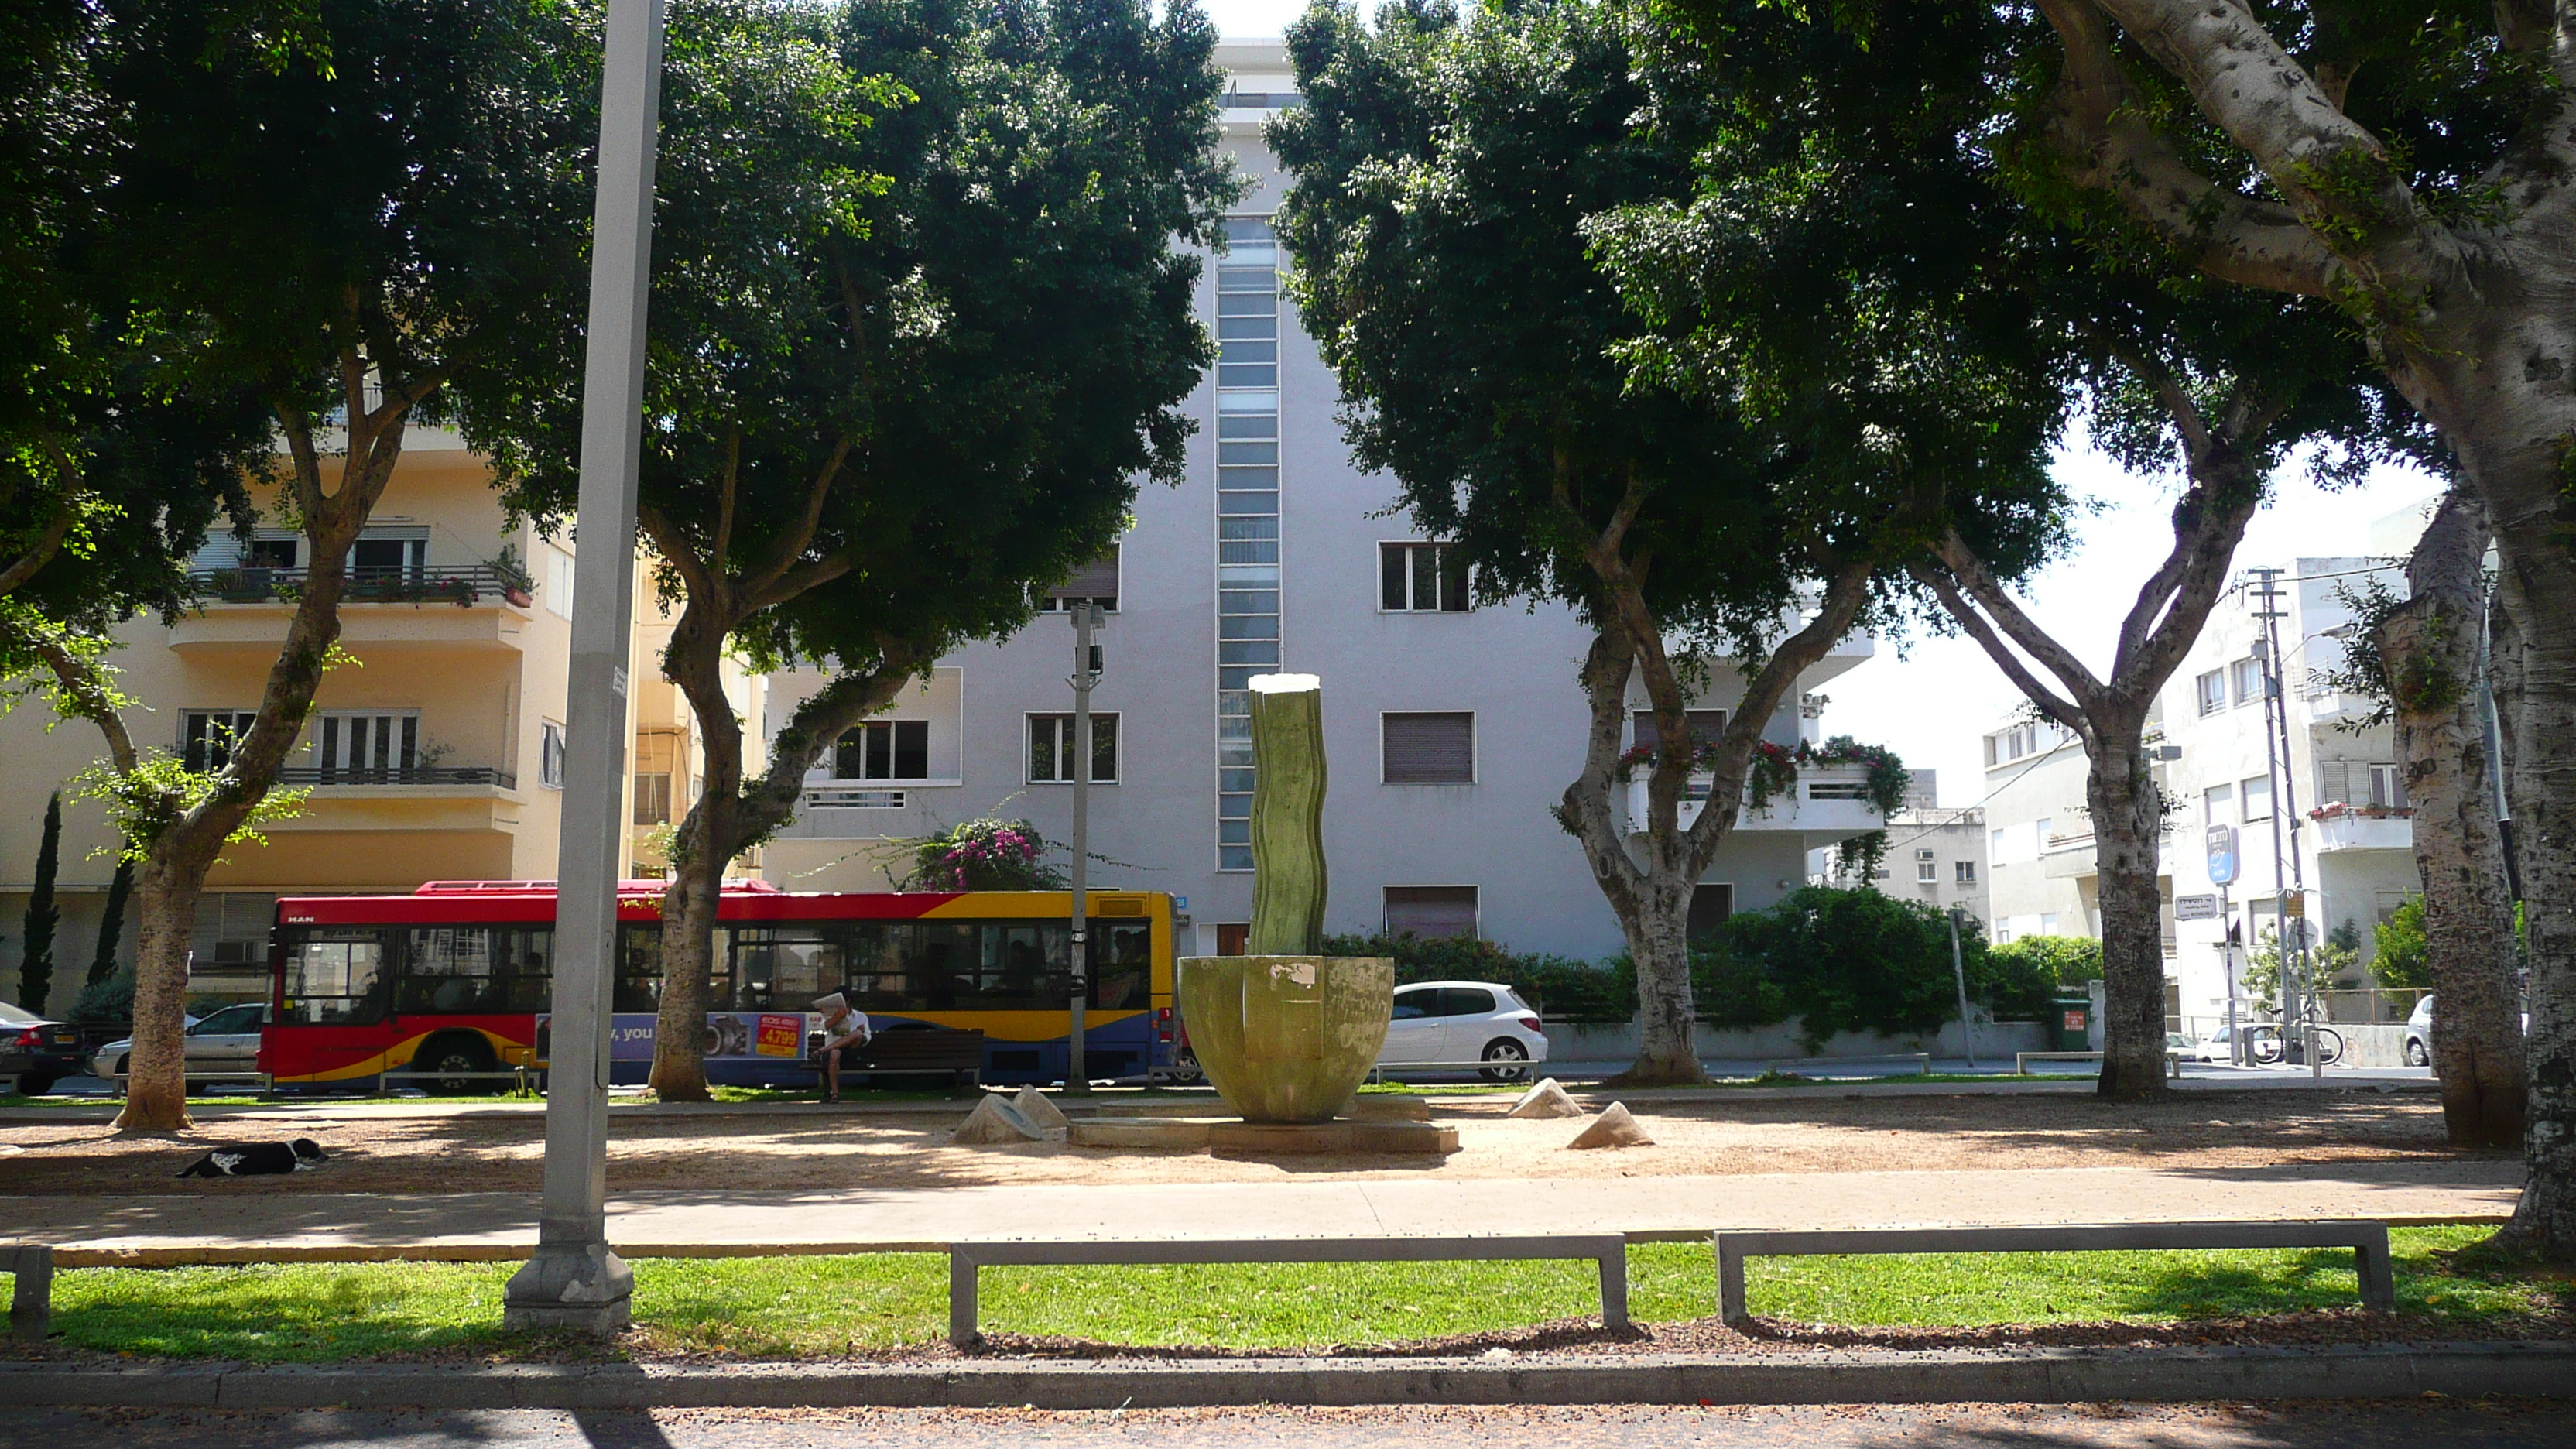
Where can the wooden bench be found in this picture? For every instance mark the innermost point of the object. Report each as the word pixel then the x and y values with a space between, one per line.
pixel 2368 1240
pixel 959 1055
pixel 31 1297
pixel 1610 1250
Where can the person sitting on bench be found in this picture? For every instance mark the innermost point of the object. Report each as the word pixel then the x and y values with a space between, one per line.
pixel 844 1030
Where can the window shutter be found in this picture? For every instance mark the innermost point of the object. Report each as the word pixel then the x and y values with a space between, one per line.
pixel 1434 913
pixel 1706 726
pixel 1430 749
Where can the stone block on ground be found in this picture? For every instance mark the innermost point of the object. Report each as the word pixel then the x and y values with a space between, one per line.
pixel 1037 1109
pixel 1282 1139
pixel 1547 1099
pixel 995 1123
pixel 1171 1134
pixel 1379 1107
pixel 1613 1128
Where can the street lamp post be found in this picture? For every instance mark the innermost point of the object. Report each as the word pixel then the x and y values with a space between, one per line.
pixel 1959 974
pixel 1086 674
pixel 574 1281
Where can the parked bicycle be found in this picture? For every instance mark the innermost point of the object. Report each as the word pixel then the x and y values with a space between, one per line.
pixel 2264 1043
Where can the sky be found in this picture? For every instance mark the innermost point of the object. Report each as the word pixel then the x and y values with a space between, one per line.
pixel 1932 699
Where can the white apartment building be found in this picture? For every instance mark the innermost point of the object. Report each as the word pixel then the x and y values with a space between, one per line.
pixel 1451 730
pixel 2039 834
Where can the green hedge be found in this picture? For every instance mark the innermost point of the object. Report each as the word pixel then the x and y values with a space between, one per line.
pixel 1843 960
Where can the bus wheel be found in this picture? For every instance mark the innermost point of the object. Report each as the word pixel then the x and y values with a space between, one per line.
pixel 455 1054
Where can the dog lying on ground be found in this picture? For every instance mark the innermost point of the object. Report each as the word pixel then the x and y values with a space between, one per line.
pixel 251 1159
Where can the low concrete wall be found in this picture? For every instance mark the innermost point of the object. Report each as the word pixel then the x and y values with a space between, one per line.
pixel 1602 1042
pixel 2373 1046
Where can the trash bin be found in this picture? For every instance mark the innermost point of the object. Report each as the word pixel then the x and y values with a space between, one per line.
pixel 2070 1022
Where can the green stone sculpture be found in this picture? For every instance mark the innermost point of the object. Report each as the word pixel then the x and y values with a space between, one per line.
pixel 1286 1034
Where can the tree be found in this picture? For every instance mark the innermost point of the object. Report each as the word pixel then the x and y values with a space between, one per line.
pixel 2401 959
pixel 36 962
pixel 2423 658
pixel 366 195
pixel 2416 167
pixel 111 924
pixel 1452 173
pixel 918 325
pixel 2179 375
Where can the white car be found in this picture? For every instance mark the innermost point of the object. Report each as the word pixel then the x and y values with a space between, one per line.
pixel 1451 1023
pixel 226 1041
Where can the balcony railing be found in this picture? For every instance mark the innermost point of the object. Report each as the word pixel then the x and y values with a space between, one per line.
pixel 397 775
pixel 463 587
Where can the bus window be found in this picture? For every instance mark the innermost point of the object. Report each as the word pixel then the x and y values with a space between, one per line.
pixel 528 954
pixel 639 970
pixel 786 967
pixel 1122 955
pixel 876 976
pixel 334 977
pixel 475 969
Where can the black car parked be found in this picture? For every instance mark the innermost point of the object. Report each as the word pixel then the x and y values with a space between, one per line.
pixel 34 1052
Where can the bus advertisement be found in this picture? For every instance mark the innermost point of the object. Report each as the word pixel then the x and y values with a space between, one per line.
pixel 457 976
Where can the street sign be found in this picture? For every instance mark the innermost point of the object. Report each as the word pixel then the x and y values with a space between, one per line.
pixel 2297 905
pixel 2195 908
pixel 2222 854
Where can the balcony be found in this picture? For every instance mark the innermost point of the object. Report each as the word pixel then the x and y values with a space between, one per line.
pixel 1829 803
pixel 300 776
pixel 478 607
pixel 2342 827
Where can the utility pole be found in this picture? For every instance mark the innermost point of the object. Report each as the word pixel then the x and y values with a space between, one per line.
pixel 574 1281
pixel 1086 674
pixel 2290 948
pixel 1959 974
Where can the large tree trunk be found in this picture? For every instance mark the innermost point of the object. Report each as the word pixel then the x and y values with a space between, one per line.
pixel 2430 650
pixel 1657 929
pixel 2127 820
pixel 156 1082
pixel 701 848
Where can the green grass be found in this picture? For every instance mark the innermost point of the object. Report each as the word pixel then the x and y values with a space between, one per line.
pixel 825 1306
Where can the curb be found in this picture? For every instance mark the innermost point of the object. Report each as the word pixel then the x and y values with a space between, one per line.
pixel 2545 1369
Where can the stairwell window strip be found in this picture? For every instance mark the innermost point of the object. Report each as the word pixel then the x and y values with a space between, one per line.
pixel 1247 513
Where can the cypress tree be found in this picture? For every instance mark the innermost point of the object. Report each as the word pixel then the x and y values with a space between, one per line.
pixel 111 924
pixel 36 970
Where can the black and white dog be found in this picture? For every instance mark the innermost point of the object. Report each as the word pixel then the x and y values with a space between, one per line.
pixel 248 1159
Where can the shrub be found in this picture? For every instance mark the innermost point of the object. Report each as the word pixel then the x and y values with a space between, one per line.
pixel 1854 960
pixel 2404 960
pixel 105 1003
pixel 2021 976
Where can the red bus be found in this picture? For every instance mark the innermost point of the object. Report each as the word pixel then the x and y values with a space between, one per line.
pixel 457 977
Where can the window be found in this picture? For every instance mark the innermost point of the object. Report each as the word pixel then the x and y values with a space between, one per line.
pixel 1994 845
pixel 2248 680
pixel 1434 913
pixel 335 976
pixel 2048 923
pixel 2386 790
pixel 385 556
pixel 2256 796
pixel 653 799
pixel 1096 581
pixel 2040 830
pixel 1428 749
pixel 373 748
pixel 884 749
pixel 476 968
pixel 273 553
pixel 2217 804
pixel 207 736
pixel 1963 872
pixel 231 929
pixel 1712 902
pixel 1927 869
pixel 1052 754
pixel 559 582
pixel 1706 726
pixel 550 755
pixel 1420 578
pixel 2211 690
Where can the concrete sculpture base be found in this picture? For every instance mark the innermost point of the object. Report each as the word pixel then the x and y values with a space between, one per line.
pixel 1286 1039
pixel 1290 1139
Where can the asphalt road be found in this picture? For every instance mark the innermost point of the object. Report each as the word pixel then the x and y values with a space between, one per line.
pixel 2407 1424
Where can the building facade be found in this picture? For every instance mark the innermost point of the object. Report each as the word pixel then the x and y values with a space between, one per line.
pixel 1451 730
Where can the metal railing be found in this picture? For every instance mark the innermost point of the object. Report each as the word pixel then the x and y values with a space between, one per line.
pixel 464 587
pixel 397 775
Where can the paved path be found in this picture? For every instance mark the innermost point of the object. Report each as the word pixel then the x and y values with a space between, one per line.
pixel 657 1223
pixel 2400 1425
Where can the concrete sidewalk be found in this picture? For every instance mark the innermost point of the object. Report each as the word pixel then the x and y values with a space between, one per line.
pixel 229 1227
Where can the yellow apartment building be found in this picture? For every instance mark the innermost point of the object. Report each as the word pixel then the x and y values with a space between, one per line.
pixel 434 753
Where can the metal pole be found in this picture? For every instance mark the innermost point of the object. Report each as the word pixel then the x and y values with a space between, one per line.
pixel 574 1281
pixel 2285 806
pixel 2273 742
pixel 2227 963
pixel 1959 973
pixel 1086 673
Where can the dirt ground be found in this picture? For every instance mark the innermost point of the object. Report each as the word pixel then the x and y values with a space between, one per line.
pixel 910 1149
